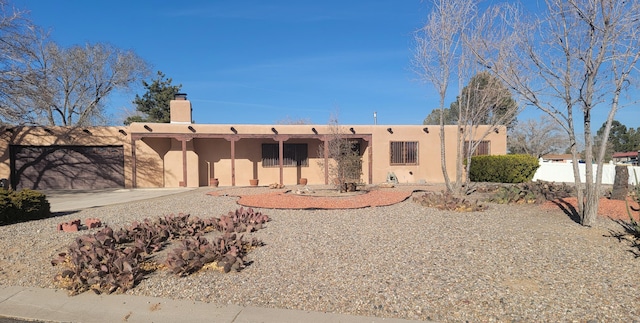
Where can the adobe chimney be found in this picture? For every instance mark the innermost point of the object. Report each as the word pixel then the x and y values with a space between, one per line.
pixel 180 109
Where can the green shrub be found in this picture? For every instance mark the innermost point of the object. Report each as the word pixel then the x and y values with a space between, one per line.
pixel 23 206
pixel 503 168
pixel 32 205
pixel 7 209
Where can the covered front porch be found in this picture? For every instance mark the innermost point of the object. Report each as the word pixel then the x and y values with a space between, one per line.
pixel 194 159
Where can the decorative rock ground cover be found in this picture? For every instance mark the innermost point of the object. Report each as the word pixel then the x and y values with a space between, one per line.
pixel 525 263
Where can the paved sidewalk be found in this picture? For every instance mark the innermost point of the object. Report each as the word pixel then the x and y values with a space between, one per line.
pixel 51 305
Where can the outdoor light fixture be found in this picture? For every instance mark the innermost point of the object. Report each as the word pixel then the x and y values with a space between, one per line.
pixel 87 131
pixel 353 131
pixel 234 130
pixel 274 130
pixel 191 128
pixel 425 129
pixel 148 128
pixel 314 130
pixel 124 133
pixel 496 130
pixel 390 130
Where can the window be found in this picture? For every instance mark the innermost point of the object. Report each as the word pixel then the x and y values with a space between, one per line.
pixel 482 148
pixel 404 153
pixel 294 155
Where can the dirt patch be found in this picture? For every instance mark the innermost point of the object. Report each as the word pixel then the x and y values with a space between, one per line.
pixel 607 208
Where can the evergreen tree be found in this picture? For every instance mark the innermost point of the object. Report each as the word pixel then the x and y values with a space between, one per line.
pixel 621 138
pixel 154 104
pixel 482 89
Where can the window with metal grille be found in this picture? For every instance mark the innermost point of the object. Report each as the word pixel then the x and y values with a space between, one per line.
pixel 483 148
pixel 404 152
pixel 294 155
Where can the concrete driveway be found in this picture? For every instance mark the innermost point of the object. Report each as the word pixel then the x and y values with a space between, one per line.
pixel 71 200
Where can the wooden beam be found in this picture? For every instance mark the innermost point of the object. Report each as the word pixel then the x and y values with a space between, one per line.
pixel 281 159
pixel 134 177
pixel 184 163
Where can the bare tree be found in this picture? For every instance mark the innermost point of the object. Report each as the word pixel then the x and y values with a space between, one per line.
pixel 16 30
pixel 287 120
pixel 537 137
pixel 439 54
pixel 579 55
pixel 45 84
pixel 345 164
pixel 444 51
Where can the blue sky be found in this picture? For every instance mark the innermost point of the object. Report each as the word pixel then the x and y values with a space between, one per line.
pixel 254 61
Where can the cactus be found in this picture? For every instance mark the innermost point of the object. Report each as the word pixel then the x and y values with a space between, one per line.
pixel 112 260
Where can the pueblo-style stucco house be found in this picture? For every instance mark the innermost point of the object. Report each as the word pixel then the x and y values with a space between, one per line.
pixel 181 153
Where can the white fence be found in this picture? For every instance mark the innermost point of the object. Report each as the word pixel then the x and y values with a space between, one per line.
pixel 563 172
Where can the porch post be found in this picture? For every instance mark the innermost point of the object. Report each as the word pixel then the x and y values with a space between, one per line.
pixel 184 163
pixel 233 161
pixel 281 159
pixel 134 179
pixel 370 161
pixel 326 160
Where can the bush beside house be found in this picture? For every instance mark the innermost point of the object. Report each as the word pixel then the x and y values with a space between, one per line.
pixel 23 205
pixel 503 168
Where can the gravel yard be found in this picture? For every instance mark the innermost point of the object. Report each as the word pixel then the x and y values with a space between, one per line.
pixel 509 263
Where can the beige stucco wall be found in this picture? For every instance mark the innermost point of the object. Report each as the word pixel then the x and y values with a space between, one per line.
pixel 159 159
pixel 173 165
pixel 213 155
pixel 150 168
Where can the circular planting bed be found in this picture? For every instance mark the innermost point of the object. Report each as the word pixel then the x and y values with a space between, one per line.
pixel 351 200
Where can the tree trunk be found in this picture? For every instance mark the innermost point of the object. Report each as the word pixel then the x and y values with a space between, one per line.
pixel 591 202
pixel 592 194
pixel 443 160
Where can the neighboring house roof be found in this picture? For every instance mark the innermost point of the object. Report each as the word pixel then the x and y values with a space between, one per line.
pixel 557 157
pixel 625 154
